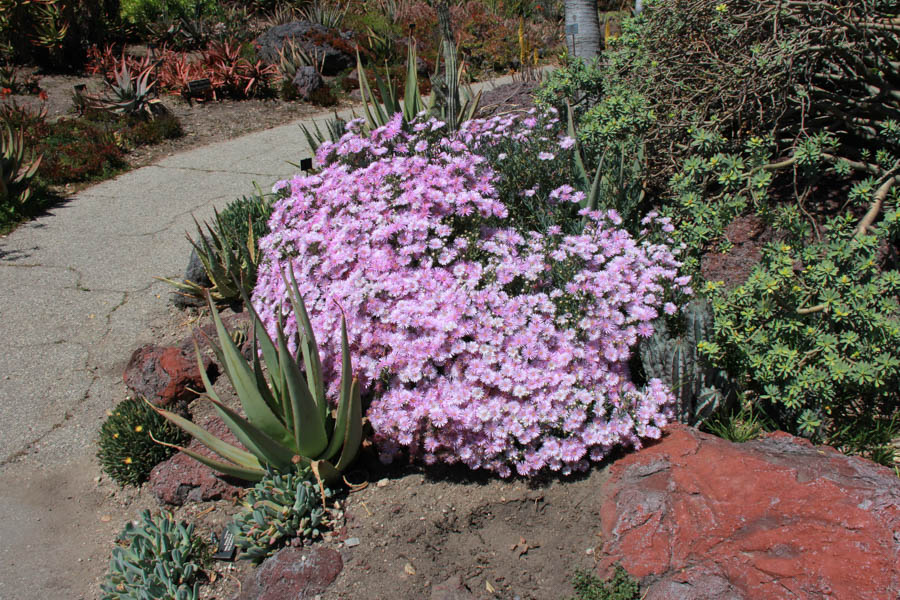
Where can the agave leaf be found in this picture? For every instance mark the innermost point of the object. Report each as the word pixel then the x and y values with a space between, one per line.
pixel 412 101
pixel 343 411
pixel 308 346
pixel 260 444
pixel 388 95
pixel 309 428
pixel 239 457
pixel 374 114
pixel 353 428
pixel 244 381
pixel 581 174
pixel 245 473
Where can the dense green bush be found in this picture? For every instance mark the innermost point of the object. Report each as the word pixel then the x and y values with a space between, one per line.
pixel 126 451
pixel 620 586
pixel 144 12
pixel 813 335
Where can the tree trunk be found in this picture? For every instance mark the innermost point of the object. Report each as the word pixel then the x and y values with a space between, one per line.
pixel 582 28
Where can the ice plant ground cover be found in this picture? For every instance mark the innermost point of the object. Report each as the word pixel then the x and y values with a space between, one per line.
pixel 489 328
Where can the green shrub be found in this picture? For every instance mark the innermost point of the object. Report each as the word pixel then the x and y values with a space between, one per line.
pixel 618 587
pixel 743 425
pixel 814 333
pixel 17 170
pixel 155 558
pixel 144 12
pixel 279 508
pixel 126 451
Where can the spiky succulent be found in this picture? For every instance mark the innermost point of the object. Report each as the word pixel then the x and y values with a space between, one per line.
pixel 281 507
pixel 156 558
pixel 700 389
pixel 130 95
pixel 16 171
pixel 126 451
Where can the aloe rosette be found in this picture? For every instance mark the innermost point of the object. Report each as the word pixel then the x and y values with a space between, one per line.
pixel 288 418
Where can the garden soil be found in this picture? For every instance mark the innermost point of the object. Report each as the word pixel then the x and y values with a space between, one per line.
pixel 406 531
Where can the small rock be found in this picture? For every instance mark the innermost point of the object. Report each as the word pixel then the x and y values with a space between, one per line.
pixel 383 482
pixel 164 375
pixel 351 542
pixel 292 574
pixel 196 273
pixel 181 479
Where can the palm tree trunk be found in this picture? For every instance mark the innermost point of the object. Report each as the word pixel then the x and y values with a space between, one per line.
pixel 582 28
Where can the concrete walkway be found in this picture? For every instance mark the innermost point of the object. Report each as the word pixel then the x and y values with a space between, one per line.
pixel 77 297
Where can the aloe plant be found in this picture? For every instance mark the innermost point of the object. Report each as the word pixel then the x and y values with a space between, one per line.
pixel 131 95
pixel 16 171
pixel 288 420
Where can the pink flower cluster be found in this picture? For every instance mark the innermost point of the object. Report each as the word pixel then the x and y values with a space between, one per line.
pixel 472 346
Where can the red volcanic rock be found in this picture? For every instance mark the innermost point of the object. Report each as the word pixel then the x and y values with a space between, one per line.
pixel 181 479
pixel 695 516
pixel 293 574
pixel 164 375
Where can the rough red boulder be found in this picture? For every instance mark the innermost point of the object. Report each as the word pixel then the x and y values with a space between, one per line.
pixel 293 574
pixel 164 375
pixel 182 479
pixel 695 516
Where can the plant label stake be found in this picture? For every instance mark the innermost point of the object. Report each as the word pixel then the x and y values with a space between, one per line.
pixel 226 548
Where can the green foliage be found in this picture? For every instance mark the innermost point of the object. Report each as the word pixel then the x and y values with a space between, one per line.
pixel 76 150
pixel 156 559
pixel 741 426
pixel 288 418
pixel 18 167
pixel 280 508
pixel 813 335
pixel 578 82
pixel 228 249
pixel 130 94
pixel 144 12
pixel 620 586
pixel 126 450
pixel 700 389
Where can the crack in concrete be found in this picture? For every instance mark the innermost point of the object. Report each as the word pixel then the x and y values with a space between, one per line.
pixel 213 171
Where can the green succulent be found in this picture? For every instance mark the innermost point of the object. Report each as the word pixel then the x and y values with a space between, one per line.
pixel 700 389
pixel 16 171
pixel 127 451
pixel 156 559
pixel 130 94
pixel 282 506
pixel 288 420
pixel 228 249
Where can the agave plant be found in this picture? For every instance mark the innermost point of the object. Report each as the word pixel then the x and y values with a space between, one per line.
pixel 131 95
pixel 16 171
pixel 288 419
pixel 334 129
pixel 445 104
pixel 228 263
pixel 324 13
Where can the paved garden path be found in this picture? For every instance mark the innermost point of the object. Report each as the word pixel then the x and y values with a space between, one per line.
pixel 77 297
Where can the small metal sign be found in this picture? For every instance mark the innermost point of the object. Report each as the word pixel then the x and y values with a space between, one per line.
pixel 306 164
pixel 572 29
pixel 225 550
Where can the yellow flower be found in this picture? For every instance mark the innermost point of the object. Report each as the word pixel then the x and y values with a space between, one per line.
pixel 127 461
pixel 722 7
pixel 115 436
pixel 139 428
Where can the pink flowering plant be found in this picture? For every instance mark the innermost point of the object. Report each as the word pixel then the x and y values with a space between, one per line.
pixel 482 339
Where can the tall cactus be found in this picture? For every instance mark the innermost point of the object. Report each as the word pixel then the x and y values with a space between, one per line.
pixel 699 389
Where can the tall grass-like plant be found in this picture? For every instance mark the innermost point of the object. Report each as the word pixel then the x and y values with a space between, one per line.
pixel 17 171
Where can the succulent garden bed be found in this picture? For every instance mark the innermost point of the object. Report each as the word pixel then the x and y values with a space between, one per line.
pixel 454 335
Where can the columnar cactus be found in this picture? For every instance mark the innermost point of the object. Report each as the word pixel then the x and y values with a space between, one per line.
pixel 700 390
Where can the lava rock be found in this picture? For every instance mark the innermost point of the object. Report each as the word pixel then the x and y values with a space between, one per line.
pixel 181 479
pixel 196 273
pixel 317 40
pixel 293 574
pixel 165 375
pixel 452 589
pixel 696 517
pixel 202 336
pixel 306 81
